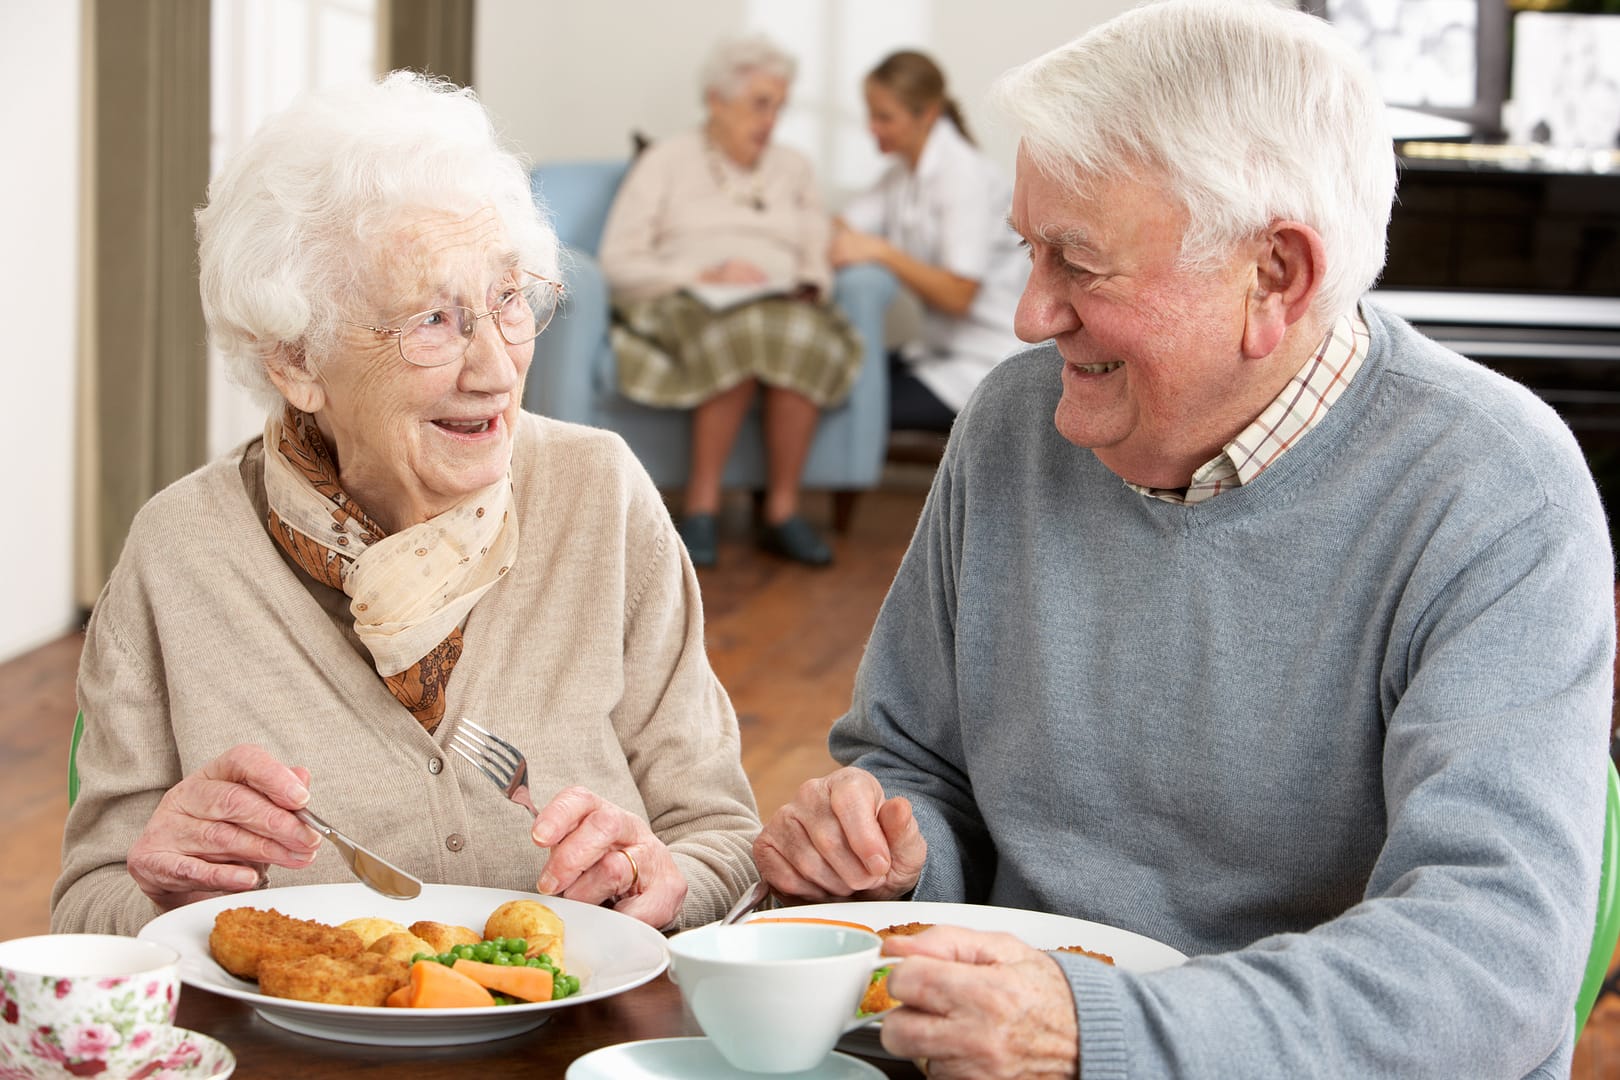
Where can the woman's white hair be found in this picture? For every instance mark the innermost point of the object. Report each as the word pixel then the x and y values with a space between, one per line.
pixel 732 61
pixel 296 217
pixel 1248 112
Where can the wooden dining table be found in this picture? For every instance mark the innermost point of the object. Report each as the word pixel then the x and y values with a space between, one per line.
pixel 266 1052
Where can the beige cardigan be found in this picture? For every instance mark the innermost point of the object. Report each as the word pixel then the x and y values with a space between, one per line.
pixel 673 218
pixel 588 656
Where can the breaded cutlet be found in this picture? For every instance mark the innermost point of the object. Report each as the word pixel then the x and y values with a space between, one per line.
pixel 244 938
pixel 362 979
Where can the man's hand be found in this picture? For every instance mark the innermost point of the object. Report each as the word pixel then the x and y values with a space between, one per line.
pixel 840 837
pixel 980 1005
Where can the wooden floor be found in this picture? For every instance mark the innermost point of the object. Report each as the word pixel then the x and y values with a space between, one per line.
pixel 784 640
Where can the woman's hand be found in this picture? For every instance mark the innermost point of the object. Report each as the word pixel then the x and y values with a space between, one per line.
pixel 980 1005
pixel 853 246
pixel 219 829
pixel 602 852
pixel 840 838
pixel 734 272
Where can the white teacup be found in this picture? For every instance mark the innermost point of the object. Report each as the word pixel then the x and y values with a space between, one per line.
pixel 775 997
pixel 85 1004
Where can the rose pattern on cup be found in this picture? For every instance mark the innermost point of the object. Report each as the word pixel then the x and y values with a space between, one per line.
pixel 109 1033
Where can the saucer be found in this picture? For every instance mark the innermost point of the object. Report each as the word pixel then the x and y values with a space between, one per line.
pixel 174 1053
pixel 194 1056
pixel 695 1058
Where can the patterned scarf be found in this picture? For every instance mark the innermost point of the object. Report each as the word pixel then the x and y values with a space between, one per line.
pixel 410 591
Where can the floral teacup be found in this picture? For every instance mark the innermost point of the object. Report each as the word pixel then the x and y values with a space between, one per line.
pixel 85 1005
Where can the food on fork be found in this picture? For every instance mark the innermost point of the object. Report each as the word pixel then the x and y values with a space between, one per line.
pixel 403 946
pixel 370 929
pixel 443 937
pixel 362 979
pixel 530 920
pixel 244 938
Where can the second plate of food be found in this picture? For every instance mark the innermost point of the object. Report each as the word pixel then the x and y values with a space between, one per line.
pixel 609 953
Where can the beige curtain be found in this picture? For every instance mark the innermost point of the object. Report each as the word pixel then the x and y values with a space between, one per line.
pixel 143 401
pixel 434 36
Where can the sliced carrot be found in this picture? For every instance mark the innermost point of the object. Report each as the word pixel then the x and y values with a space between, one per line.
pixel 434 986
pixel 807 919
pixel 524 983
pixel 400 998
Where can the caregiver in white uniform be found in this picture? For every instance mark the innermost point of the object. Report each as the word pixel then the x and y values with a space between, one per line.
pixel 938 220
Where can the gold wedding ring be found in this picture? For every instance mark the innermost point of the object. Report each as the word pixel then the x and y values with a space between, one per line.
pixel 635 874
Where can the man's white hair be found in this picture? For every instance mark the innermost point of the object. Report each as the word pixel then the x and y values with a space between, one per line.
pixel 1249 113
pixel 295 218
pixel 732 61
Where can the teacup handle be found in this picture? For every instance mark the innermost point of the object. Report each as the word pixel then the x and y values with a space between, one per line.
pixel 861 1021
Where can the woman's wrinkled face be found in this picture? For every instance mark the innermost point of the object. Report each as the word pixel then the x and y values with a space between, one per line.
pixel 411 441
pixel 741 125
pixel 896 128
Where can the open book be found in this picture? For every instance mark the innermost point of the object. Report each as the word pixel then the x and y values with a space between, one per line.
pixel 718 297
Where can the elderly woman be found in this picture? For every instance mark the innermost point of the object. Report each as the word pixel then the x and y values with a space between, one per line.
pixel 402 548
pixel 716 251
pixel 938 220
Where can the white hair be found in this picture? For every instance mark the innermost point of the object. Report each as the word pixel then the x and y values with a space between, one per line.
pixel 732 61
pixel 1249 113
pixel 293 220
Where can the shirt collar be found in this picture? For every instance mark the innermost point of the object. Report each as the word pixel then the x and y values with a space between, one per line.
pixel 1299 408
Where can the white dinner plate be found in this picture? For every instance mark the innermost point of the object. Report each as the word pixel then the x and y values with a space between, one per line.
pixel 1039 929
pixel 695 1058
pixel 609 952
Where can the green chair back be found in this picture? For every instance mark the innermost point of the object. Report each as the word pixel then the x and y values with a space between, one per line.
pixel 1608 908
pixel 73 759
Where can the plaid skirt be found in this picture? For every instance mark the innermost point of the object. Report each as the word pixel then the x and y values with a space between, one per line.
pixel 673 352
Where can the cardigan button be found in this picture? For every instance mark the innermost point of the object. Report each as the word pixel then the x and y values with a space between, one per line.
pixel 435 765
pixel 455 842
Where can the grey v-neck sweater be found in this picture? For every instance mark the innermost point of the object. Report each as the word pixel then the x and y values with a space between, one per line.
pixel 1338 734
pixel 588 656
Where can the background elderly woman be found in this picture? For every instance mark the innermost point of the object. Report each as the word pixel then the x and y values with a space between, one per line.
pixel 306 618
pixel 938 220
pixel 722 206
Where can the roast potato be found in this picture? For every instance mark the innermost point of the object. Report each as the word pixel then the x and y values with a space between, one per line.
pixel 533 922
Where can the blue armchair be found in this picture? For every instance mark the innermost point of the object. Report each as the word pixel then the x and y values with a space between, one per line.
pixel 574 375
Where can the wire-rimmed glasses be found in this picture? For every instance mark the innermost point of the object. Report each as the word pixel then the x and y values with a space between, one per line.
pixel 443 335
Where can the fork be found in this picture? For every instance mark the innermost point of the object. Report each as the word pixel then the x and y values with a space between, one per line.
pixel 495 758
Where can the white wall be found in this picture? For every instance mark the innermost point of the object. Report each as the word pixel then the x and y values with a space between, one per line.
pixel 569 81
pixel 39 187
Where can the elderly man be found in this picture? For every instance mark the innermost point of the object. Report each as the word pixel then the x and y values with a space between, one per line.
pixel 1288 641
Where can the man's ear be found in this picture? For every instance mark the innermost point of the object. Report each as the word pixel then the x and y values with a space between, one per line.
pixel 290 371
pixel 1289 261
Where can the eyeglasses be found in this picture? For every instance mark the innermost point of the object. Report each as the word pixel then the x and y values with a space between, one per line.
pixel 443 335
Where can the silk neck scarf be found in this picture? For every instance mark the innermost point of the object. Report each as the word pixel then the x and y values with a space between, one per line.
pixel 409 591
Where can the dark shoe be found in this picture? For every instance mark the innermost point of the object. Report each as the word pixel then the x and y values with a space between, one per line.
pixel 701 535
pixel 795 539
